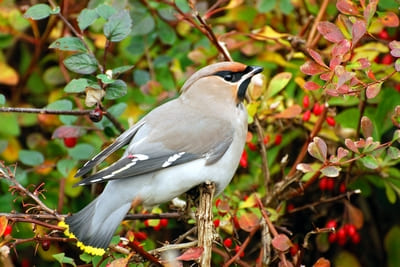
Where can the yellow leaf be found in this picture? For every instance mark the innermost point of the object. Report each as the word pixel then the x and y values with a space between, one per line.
pixel 277 58
pixel 10 154
pixel 268 33
pixel 8 75
pixel 369 51
pixel 234 3
pixel 71 180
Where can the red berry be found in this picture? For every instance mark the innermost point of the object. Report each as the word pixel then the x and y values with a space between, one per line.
pixel 387 59
pixel 323 184
pixel 290 207
pixel 317 109
pixel 252 146
pixel 397 87
pixel 331 121
pixel 216 223
pixel 8 230
pixel 237 248
pixel 278 139
pixel 332 238
pixel 228 242
pixel 294 249
pixel 350 229
pixel 342 188
pixel 164 222
pixel 330 184
pixel 217 202
pixel 70 141
pixel 341 236
pixel 356 238
pixel 243 159
pixel 25 263
pixel 307 115
pixel 306 101
pixel 140 236
pixel 46 245
pixel 96 115
pixel 157 227
pixel 146 223
pixel 383 34
pixel 266 140
pixel 331 224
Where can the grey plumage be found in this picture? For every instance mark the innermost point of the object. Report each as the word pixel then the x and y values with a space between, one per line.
pixel 197 137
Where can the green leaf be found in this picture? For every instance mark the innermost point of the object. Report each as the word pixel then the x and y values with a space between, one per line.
pixel 105 11
pixel 141 77
pixel 85 257
pixel 266 5
pixel 118 26
pixel 165 32
pixel 86 18
pixel 9 119
pixel 116 90
pixel 370 162
pixel 81 63
pixel 31 158
pixel 62 104
pixel 65 166
pixel 68 44
pixel 390 193
pixel 277 83
pixel 392 246
pixel 393 152
pixel 53 76
pixel 117 71
pixel 117 109
pixel 39 11
pixel 396 136
pixel 143 24
pixel 105 78
pixel 2 100
pixel 76 85
pixel 62 259
pixel 345 259
pixel 81 151
pixel 331 171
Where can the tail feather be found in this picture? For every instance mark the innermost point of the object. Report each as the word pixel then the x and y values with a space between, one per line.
pixel 95 224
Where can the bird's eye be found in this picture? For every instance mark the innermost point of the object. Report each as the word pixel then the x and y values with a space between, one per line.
pixel 228 77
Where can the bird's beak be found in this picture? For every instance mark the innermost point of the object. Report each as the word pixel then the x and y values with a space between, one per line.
pixel 245 80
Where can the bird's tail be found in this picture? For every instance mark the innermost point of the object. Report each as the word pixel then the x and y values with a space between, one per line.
pixel 95 225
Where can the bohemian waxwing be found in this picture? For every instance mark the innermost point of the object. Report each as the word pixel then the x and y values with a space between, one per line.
pixel 181 144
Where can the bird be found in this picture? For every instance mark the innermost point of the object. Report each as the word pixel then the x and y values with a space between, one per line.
pixel 194 138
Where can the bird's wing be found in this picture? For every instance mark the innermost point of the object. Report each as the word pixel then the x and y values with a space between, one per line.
pixel 168 140
pixel 121 141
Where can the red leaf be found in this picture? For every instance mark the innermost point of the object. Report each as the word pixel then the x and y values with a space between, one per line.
pixel 290 112
pixel 311 86
pixel 390 19
pixel 347 7
pixel 281 242
pixel 351 145
pixel 312 68
pixel 318 149
pixel 326 76
pixel 248 221
pixel 370 10
pixel 395 48
pixel 67 132
pixel 191 254
pixel 317 57
pixel 341 48
pixel 358 31
pixel 330 31
pixel 373 90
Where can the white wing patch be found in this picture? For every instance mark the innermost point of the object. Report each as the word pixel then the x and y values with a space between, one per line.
pixel 171 159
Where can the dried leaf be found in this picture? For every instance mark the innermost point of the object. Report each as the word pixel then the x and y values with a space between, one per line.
pixel 248 221
pixel 290 112
pixel 311 86
pixel 351 145
pixel 358 31
pixel 322 262
pixel 318 149
pixel 373 90
pixel 389 19
pixel 122 262
pixel 281 242
pixel 347 7
pixel 191 254
pixel 330 31
pixel 356 216
pixel 366 126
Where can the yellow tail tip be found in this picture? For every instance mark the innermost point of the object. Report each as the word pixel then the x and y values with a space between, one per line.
pixel 88 249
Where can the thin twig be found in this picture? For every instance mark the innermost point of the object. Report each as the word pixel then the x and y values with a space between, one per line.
pixel 321 13
pixel 45 111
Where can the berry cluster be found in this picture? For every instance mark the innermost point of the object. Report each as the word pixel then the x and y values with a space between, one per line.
pixel 162 223
pixel 347 232
pixel 328 184
pixel 317 110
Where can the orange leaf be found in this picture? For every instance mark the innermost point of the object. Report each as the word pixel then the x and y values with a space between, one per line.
pixel 8 75
pixel 248 221
pixel 290 112
pixel 119 262
pixel 390 19
pixel 281 242
pixel 3 224
pixel 322 262
pixel 191 254
pixel 356 216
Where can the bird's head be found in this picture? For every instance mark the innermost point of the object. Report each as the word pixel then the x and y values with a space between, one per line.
pixel 224 80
